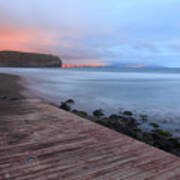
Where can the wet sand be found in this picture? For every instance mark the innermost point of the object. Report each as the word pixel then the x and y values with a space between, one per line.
pixel 10 86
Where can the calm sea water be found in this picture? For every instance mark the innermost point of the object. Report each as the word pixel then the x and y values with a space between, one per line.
pixel 155 92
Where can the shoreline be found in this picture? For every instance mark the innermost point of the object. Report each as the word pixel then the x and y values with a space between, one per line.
pixel 13 87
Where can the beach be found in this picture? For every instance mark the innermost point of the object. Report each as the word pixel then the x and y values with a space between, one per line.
pixel 150 92
pixel 14 87
pixel 10 86
pixel 10 90
pixel 89 90
pixel 40 141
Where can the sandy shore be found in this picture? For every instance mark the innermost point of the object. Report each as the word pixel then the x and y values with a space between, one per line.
pixel 10 90
pixel 13 88
pixel 10 86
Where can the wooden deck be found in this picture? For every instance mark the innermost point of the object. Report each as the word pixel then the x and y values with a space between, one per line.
pixel 39 141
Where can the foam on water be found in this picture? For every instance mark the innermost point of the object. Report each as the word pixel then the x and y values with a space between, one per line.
pixel 152 92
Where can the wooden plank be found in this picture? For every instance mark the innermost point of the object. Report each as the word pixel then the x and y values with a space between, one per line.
pixel 42 142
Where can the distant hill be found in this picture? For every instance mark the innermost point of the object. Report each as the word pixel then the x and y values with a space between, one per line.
pixel 23 59
pixel 130 65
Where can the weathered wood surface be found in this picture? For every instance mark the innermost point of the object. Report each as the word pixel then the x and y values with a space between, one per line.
pixel 39 141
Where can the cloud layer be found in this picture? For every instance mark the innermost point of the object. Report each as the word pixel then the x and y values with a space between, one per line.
pixel 91 31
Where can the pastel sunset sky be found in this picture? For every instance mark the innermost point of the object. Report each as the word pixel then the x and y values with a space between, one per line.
pixel 94 31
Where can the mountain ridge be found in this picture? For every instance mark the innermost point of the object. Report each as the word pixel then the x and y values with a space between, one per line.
pixel 28 59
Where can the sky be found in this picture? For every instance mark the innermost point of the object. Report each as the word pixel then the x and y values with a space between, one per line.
pixel 94 31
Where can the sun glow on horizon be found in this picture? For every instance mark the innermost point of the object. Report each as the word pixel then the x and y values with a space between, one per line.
pixel 83 65
pixel 91 31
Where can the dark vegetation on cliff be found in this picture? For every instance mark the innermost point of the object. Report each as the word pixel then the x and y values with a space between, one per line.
pixel 23 59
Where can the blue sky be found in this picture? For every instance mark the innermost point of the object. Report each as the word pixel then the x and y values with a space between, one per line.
pixel 91 31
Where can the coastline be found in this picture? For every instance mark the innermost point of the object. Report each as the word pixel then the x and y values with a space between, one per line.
pixel 13 87
pixel 40 141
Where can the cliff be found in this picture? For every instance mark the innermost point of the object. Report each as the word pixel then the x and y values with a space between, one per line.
pixel 22 59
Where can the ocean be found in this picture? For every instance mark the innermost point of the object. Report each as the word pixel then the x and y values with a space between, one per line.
pixel 153 92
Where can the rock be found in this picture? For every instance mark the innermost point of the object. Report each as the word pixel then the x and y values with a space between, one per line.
pixel 70 101
pixel 164 143
pixel 132 122
pixel 113 116
pixel 22 59
pixel 162 132
pixel 125 119
pixel 75 111
pixel 98 113
pixel 103 122
pixel 117 125
pixel 175 142
pixel 65 106
pixel 155 125
pixel 112 122
pixel 144 118
pixel 82 113
pixel 128 113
